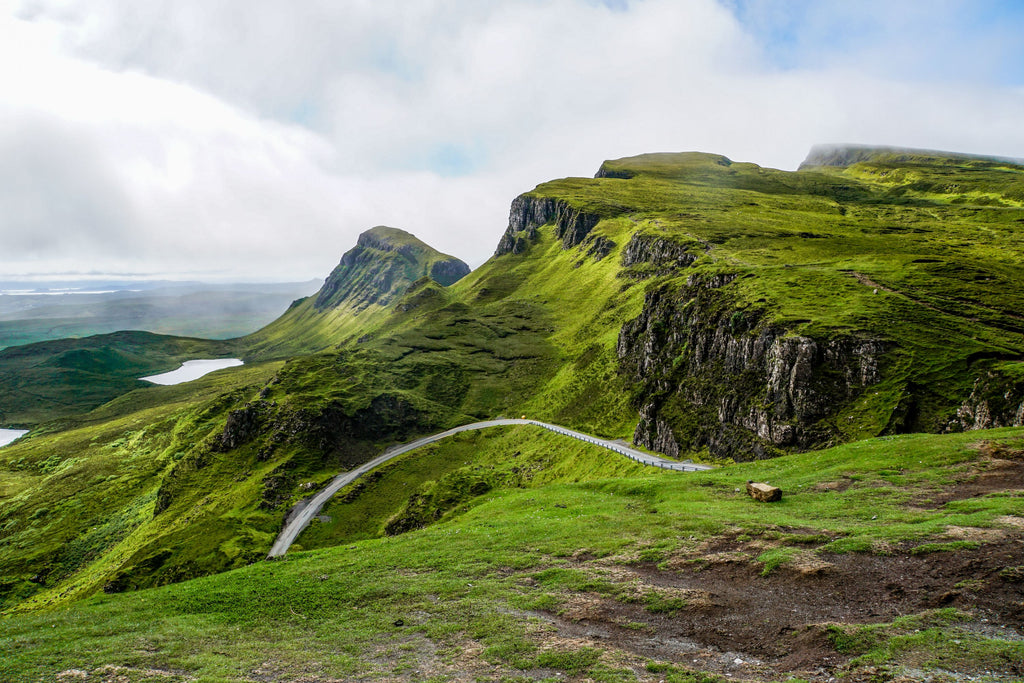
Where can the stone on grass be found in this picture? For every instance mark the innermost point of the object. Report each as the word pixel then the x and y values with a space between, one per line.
pixel 764 492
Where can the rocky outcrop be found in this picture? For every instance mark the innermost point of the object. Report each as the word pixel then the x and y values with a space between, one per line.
pixel 606 171
pixel 598 247
pixel 659 255
pixel 712 376
pixel 528 212
pixel 449 271
pixel 241 426
pixel 333 434
pixel 995 401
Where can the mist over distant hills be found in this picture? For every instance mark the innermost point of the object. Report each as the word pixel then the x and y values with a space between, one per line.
pixel 32 311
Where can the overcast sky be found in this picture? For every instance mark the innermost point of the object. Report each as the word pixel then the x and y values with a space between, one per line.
pixel 255 139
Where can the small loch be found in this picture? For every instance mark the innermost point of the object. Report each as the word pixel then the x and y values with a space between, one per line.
pixel 9 435
pixel 192 369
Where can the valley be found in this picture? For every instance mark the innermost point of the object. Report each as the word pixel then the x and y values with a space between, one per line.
pixel 850 332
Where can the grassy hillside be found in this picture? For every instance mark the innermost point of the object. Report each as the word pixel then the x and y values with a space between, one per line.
pixel 915 259
pixel 895 556
pixel 47 381
pixel 698 306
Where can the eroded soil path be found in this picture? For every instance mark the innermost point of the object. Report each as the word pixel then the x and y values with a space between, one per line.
pixel 739 622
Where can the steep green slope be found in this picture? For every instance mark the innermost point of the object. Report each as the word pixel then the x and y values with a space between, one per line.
pixel 698 305
pixel 204 483
pixel 78 505
pixel 885 558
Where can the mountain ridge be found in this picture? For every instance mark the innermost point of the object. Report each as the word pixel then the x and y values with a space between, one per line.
pixel 846 154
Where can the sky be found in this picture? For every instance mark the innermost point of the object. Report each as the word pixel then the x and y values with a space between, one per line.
pixel 254 140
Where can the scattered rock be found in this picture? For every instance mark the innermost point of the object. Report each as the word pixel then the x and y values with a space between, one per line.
pixel 763 492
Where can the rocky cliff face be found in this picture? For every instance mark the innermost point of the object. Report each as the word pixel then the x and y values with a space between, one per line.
pixel 529 212
pixel 657 255
pixel 382 265
pixel 995 401
pixel 710 375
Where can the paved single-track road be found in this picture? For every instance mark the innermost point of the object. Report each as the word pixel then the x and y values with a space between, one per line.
pixel 294 527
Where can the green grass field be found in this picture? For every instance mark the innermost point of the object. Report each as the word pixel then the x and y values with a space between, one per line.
pixel 463 595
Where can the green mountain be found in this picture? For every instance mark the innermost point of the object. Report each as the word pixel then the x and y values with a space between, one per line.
pixel 189 309
pixel 382 266
pixel 384 262
pixel 697 306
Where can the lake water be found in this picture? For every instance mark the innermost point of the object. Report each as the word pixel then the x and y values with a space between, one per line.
pixel 9 435
pixel 192 369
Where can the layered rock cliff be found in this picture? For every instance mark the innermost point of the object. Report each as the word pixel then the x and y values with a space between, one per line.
pixel 529 212
pixel 711 375
pixel 995 401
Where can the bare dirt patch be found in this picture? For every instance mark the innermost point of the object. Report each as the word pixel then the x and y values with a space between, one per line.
pixel 989 475
pixel 971 533
pixel 111 673
pixel 758 627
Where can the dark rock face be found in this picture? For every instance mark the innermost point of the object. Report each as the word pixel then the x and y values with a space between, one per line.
pixel 346 283
pixel 663 256
pixel 341 439
pixel 995 401
pixel 380 268
pixel 448 272
pixel 709 375
pixel 242 426
pixel 606 172
pixel 336 436
pixel 332 430
pixel 599 247
pixel 529 213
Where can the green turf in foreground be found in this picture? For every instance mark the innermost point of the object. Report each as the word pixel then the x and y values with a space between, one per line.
pixel 456 597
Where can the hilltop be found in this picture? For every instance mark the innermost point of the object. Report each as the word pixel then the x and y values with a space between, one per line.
pixel 696 306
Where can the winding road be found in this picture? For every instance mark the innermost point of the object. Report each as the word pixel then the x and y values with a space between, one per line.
pixel 294 527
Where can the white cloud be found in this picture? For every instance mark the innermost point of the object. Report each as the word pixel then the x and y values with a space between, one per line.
pixel 257 139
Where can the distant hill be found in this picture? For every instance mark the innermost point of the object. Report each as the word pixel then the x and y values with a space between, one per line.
pixel 213 311
pixel 383 265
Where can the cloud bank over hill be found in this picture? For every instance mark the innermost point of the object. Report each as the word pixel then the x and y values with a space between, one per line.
pixel 242 140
